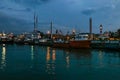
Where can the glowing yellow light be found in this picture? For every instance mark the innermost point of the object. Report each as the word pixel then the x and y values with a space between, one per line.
pixel 73 31
pixel 0 34
pixel 48 32
pixel 32 52
pixel 53 55
pixel 48 54
pixel 4 34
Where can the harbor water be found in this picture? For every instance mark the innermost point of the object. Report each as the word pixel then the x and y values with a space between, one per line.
pixel 28 62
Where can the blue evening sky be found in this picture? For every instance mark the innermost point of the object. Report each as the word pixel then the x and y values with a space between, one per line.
pixel 18 15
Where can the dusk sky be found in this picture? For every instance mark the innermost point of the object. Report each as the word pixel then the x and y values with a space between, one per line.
pixel 18 15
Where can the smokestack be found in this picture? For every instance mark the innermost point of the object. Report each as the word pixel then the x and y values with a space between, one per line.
pixel 34 22
pixel 90 21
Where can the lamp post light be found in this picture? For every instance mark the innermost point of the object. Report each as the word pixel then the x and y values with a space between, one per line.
pixel 48 34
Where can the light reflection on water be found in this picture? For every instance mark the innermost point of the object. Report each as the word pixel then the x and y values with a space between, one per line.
pixel 3 57
pixel 50 62
pixel 67 60
pixel 32 52
pixel 36 62
pixel 105 58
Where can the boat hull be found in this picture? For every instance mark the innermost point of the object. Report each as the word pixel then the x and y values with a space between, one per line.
pixel 80 44
pixel 61 45
pixel 74 44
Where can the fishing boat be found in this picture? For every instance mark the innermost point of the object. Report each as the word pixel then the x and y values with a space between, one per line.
pixel 80 40
pixel 61 44
pixel 45 42
pixel 5 39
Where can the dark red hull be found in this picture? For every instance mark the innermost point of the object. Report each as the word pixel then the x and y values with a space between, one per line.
pixel 80 44
pixel 74 44
pixel 61 45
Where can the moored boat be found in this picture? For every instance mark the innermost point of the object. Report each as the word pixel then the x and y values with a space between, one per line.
pixel 80 44
pixel 80 41
pixel 6 40
pixel 45 42
pixel 62 44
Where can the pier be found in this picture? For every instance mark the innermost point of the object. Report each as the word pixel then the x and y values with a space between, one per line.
pixel 105 44
pixel 94 44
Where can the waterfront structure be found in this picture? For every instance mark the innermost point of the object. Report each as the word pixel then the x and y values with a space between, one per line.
pixel 106 44
pixel 80 40
pixel 6 38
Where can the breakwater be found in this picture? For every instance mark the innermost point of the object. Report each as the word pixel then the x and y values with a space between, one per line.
pixel 106 44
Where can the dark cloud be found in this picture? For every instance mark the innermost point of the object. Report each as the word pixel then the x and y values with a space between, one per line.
pixel 11 24
pixel 2 7
pixel 45 0
pixel 91 11
pixel 105 8
pixel 13 9
pixel 28 9
pixel 31 0
pixel 31 3
pixel 88 11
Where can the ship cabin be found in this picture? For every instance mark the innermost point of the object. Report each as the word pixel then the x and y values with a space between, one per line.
pixel 82 36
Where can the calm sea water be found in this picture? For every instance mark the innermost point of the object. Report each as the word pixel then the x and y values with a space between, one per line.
pixel 25 62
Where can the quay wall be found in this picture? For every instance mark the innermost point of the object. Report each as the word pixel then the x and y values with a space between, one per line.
pixel 105 44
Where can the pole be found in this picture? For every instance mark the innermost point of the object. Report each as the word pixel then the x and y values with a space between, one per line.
pixel 90 21
pixel 34 22
pixel 51 25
